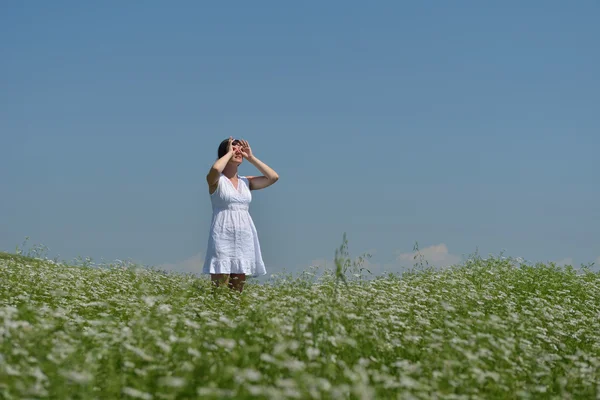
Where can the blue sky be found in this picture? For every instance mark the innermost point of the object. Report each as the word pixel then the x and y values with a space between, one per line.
pixel 462 126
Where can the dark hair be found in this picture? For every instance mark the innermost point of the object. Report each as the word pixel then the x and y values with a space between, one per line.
pixel 224 147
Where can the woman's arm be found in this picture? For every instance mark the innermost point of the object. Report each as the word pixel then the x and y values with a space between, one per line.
pixel 260 182
pixel 212 178
pixel 269 175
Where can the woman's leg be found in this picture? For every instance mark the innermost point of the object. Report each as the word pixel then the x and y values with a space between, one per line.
pixel 236 281
pixel 219 279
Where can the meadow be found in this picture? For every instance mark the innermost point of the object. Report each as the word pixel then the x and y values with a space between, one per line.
pixel 489 328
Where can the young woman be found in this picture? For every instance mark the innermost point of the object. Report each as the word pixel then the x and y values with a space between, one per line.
pixel 233 250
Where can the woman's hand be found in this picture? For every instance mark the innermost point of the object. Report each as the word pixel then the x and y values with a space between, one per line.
pixel 269 176
pixel 246 150
pixel 230 146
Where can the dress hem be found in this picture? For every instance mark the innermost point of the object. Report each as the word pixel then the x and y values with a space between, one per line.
pixel 234 266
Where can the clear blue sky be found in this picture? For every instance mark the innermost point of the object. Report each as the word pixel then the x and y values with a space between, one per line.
pixel 462 126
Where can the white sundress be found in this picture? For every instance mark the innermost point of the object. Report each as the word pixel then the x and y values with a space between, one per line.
pixel 233 246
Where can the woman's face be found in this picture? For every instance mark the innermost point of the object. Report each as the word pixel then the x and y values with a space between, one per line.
pixel 237 152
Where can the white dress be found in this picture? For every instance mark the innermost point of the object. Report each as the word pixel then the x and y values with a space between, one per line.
pixel 233 246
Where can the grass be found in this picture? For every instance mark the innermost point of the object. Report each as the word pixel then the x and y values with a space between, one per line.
pixel 492 328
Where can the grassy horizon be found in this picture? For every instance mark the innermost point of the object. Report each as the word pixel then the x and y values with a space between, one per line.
pixel 488 328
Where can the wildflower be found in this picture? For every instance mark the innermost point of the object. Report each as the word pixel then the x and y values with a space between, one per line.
pixel 228 344
pixel 172 381
pixel 312 353
pixel 136 394
pixel 77 376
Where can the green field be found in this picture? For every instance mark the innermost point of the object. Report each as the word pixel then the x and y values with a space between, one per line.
pixel 489 328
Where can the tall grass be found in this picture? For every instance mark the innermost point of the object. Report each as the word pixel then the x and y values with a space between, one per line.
pixel 493 328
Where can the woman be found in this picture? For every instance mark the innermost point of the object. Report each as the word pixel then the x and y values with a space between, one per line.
pixel 233 246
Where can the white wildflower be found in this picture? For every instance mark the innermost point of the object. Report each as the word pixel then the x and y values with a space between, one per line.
pixel 78 377
pixel 191 324
pixel 408 382
pixel 251 375
pixel 293 365
pixel 225 343
pixel 227 321
pixel 163 346
pixel 312 353
pixel 164 308
pixel 255 390
pixel 267 358
pixel 172 381
pixel 38 374
pixel 286 383
pixel 11 371
pixel 149 300
pixel 193 352
pixel 95 304
pixel 139 352
pixel 136 394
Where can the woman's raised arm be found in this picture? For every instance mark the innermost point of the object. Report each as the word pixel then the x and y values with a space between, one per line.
pixel 212 178
pixel 269 175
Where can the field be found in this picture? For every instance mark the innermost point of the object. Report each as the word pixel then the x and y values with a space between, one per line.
pixel 493 328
